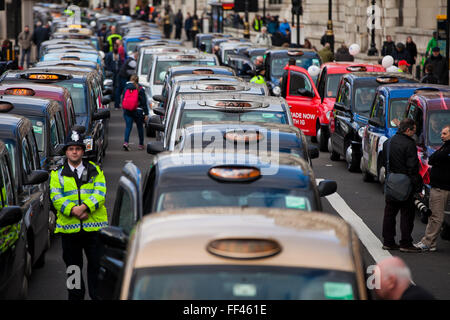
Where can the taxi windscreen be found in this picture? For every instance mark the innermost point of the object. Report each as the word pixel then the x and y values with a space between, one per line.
pixel 332 85
pixel 163 66
pixel 78 93
pixel 397 110
pixel 189 116
pixel 363 97
pixel 436 121
pixel 131 45
pixel 237 196
pixel 237 282
pixel 278 64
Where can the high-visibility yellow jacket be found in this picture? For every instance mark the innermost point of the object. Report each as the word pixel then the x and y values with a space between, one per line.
pixel 65 194
pixel 258 79
pixel 110 40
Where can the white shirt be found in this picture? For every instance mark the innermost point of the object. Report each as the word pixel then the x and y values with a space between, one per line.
pixel 80 169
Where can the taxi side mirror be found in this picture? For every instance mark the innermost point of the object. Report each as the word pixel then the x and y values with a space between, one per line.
pixel 159 111
pixel 106 99
pixel 108 83
pixel 101 114
pixel 58 151
pixel 327 187
pixel 36 177
pixel 10 215
pixel 106 91
pixel 313 152
pixel 155 147
pixel 306 93
pixel 156 126
pixel 158 97
pixel 339 106
pixel 114 237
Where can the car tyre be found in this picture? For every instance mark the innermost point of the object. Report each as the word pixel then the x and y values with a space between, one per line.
pixel 322 139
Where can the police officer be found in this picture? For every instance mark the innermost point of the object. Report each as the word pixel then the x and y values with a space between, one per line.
pixel 78 191
pixel 260 71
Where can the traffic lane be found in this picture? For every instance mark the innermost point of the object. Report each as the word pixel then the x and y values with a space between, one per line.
pixel 49 282
pixel 429 269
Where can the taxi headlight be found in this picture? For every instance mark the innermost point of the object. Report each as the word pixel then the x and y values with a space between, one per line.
pixel 328 114
pixel 89 142
pixel 361 132
pixel 276 90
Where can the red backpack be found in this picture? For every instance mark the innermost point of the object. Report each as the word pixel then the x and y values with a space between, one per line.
pixel 130 100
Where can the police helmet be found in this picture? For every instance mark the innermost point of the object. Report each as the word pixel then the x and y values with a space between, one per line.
pixel 74 139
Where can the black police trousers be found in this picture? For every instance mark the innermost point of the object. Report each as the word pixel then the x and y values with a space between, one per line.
pixel 73 246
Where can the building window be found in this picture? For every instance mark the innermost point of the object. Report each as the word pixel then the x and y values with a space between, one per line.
pixel 275 1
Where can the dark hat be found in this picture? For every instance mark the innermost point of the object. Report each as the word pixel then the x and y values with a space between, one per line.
pixel 436 49
pixel 74 139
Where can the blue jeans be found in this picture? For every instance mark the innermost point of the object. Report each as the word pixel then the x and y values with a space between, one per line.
pixel 130 117
pixel 25 52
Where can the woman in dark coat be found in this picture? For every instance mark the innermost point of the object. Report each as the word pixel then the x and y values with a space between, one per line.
pixel 411 48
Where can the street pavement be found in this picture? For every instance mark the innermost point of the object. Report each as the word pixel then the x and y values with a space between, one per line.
pixel 360 203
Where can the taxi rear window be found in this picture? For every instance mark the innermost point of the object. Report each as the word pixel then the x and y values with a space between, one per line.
pixel 163 66
pixel 78 93
pixel 233 282
pixel 237 196
pixel 189 116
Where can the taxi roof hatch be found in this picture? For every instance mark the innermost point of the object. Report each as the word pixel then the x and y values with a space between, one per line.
pixel 242 248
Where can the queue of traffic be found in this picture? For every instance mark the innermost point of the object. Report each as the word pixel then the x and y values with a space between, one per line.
pixel 228 206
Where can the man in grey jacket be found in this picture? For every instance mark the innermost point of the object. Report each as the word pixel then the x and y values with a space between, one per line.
pixel 263 38
pixel 25 38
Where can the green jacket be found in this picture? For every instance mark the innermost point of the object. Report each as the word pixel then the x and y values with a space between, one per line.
pixel 431 44
pixel 326 55
pixel 65 194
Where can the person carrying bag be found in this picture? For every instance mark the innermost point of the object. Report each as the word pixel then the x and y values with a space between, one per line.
pixel 135 109
pixel 402 181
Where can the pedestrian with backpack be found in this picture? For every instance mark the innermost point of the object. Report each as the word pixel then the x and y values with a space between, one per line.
pixel 135 109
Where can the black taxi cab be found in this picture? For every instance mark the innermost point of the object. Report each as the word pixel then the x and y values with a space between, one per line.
pixel 31 182
pixel 232 253
pixel 276 59
pixel 47 120
pixel 354 100
pixel 15 259
pixel 214 107
pixel 84 90
pixel 230 136
pixel 44 91
pixel 194 178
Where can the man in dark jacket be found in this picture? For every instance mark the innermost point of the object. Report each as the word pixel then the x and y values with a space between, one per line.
pixel 188 26
pixel 343 54
pixel 440 66
pixel 400 54
pixel 40 35
pixel 113 63
pixel 388 47
pixel 429 76
pixel 440 191
pixel 402 159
